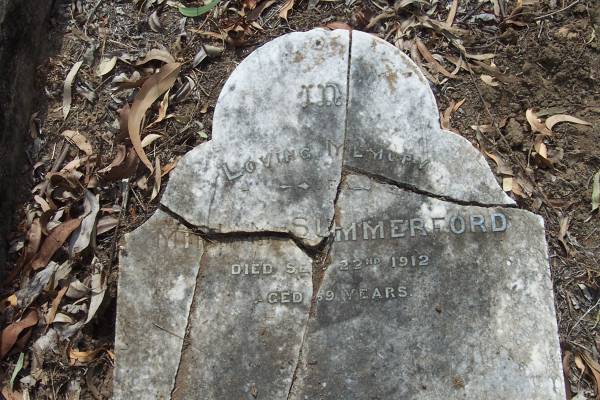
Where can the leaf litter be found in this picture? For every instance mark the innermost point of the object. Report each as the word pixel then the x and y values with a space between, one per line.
pixel 436 34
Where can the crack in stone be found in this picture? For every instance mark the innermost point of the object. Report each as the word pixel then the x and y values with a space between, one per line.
pixel 210 237
pixel 322 260
pixel 411 188
pixel 202 265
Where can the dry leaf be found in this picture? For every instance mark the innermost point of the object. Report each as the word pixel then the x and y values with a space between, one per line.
pixel 285 9
pixel 149 139
pixel 11 333
pixel 488 80
pixel 33 241
pixel 452 13
pixel 105 66
pixel 169 167
pixel 157 179
pixel 507 184
pixel 82 237
pixel 162 111
pixel 53 242
pixel 480 57
pixel 483 128
pixel 542 151
pixel 123 82
pixel 158 55
pixel 556 119
pixel 106 224
pixel 77 290
pixel 258 10
pixel 55 304
pixel 151 90
pixel 68 88
pixel 11 395
pixel 123 117
pixel 98 290
pixel 142 182
pixel 199 57
pixel 596 191
pixel 61 318
pixel 213 51
pixel 78 140
pixel 82 356
pixel 536 124
pixel 520 188
pixel 75 164
pixel 595 368
pixel 119 158
pixel 502 167
pixel 154 22
pixel 429 58
pixel 121 168
pixel 580 364
pixel 564 228
pixel 27 294
pixel 447 114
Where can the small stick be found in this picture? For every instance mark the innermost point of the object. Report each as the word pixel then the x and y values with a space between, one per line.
pixel 557 11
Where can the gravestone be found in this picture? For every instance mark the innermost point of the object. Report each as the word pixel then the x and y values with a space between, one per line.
pixel 332 242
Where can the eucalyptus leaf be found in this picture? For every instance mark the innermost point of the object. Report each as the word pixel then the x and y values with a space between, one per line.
pixel 596 191
pixel 18 368
pixel 198 11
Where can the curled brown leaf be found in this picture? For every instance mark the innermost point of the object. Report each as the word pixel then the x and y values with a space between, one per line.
pixel 53 242
pixel 555 119
pixel 536 125
pixel 432 61
pixel 151 90
pixel 157 55
pixel 123 166
pixel 11 333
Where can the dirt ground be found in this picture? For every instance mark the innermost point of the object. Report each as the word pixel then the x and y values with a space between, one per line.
pixel 488 64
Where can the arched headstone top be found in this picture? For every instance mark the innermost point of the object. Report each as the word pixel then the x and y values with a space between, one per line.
pixel 299 111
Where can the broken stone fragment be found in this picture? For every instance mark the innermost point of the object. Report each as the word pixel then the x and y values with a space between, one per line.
pixel 247 321
pixel 394 131
pixel 426 299
pixel 275 160
pixel 157 277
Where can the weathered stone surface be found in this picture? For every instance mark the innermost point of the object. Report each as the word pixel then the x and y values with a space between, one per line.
pixel 158 270
pixel 274 162
pixel 417 298
pixel 416 304
pixel 394 130
pixel 247 321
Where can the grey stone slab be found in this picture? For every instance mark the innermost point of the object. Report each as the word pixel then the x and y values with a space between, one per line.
pixel 157 277
pixel 425 299
pixel 394 130
pixel 419 298
pixel 274 162
pixel 247 321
